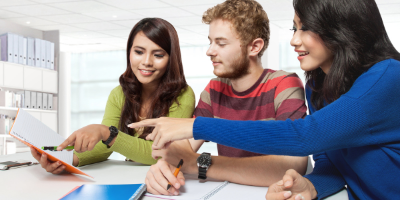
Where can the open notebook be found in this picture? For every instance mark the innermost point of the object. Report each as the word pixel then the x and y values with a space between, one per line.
pixel 34 133
pixel 195 189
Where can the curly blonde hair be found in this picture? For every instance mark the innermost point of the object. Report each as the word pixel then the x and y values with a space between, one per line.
pixel 248 18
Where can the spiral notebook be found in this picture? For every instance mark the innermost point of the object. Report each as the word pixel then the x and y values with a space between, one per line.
pixel 106 192
pixel 195 189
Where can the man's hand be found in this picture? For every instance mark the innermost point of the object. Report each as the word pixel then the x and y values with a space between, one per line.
pixel 159 175
pixel 166 130
pixel 86 138
pixel 293 186
pixel 176 151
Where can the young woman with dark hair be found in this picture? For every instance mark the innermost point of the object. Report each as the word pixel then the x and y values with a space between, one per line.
pixel 153 85
pixel 353 90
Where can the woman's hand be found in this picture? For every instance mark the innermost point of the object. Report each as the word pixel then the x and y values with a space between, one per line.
pixel 50 166
pixel 166 130
pixel 86 138
pixel 293 186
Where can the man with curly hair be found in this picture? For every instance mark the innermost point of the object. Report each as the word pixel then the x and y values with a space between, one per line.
pixel 244 90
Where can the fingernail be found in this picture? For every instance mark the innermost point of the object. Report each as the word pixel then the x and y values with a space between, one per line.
pixel 176 185
pixel 280 182
pixel 176 193
pixel 287 183
pixel 287 194
pixel 59 163
pixel 43 155
pixel 299 197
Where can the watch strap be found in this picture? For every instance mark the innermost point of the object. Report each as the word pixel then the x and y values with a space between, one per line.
pixel 113 134
pixel 202 173
pixel 203 170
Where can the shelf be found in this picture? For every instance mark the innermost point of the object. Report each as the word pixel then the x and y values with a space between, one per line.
pixel 4 135
pixel 13 111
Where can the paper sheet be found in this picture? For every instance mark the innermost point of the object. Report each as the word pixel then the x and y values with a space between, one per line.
pixel 237 191
pixel 31 131
pixel 193 189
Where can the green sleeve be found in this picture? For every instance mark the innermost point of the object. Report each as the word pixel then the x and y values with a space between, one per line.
pixel 132 147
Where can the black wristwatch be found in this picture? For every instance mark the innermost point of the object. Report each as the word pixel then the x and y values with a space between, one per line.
pixel 203 162
pixel 113 134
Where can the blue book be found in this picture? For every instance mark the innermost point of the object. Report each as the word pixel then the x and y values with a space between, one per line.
pixel 109 192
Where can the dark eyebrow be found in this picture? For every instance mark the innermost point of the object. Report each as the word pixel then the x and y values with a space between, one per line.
pixel 139 47
pixel 156 50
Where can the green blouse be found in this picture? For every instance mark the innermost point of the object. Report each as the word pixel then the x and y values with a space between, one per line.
pixel 132 147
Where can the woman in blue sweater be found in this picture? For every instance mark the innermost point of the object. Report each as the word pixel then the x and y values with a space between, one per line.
pixel 353 91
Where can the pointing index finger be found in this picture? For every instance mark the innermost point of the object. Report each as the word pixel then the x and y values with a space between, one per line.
pixel 144 123
pixel 68 141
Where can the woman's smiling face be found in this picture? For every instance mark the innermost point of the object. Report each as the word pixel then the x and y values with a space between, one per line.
pixel 312 51
pixel 148 60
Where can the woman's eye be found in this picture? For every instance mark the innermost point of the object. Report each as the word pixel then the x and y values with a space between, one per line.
pixel 159 55
pixel 294 29
pixel 303 28
pixel 139 52
pixel 221 45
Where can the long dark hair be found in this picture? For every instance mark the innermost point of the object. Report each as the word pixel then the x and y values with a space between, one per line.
pixel 172 83
pixel 353 31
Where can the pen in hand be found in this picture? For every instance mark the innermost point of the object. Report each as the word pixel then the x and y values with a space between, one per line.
pixel 176 172
pixel 54 148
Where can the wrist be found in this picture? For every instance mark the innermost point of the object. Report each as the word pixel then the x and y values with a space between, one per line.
pixel 191 168
pixel 312 190
pixel 105 132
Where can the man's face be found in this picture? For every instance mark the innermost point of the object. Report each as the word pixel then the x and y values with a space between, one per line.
pixel 229 58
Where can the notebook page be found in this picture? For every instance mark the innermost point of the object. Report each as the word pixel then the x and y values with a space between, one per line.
pixel 193 189
pixel 237 191
pixel 34 132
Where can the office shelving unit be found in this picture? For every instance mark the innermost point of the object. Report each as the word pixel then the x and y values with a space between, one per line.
pixel 17 77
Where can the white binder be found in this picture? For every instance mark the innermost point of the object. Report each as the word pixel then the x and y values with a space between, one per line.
pixel 43 53
pixel 48 54
pixel 45 99
pixel 10 47
pixel 31 52
pixel 20 49
pixel 50 102
pixel 16 48
pixel 33 100
pixel 7 52
pixel 25 51
pixel 37 52
pixel 52 56
pixel 39 101
pixel 27 99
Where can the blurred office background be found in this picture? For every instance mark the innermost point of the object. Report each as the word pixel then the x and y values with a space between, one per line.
pixel 93 35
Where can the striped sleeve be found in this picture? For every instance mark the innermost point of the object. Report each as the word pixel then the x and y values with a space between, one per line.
pixel 204 108
pixel 289 98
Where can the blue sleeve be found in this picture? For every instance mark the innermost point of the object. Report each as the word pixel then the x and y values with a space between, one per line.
pixel 341 124
pixel 325 177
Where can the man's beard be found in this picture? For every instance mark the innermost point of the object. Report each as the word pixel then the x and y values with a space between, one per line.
pixel 240 67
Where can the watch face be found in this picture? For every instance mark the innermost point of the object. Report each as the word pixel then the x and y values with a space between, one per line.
pixel 204 160
pixel 113 130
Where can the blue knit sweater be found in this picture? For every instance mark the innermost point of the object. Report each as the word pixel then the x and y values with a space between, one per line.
pixel 355 139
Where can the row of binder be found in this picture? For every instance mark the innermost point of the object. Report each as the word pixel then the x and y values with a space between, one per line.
pixel 26 99
pixel 38 100
pixel 27 51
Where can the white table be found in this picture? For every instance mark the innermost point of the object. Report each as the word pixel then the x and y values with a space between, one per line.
pixel 33 182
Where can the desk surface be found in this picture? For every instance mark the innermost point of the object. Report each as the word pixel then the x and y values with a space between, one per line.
pixel 33 182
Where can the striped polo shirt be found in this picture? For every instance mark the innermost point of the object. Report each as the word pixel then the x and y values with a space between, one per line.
pixel 277 95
